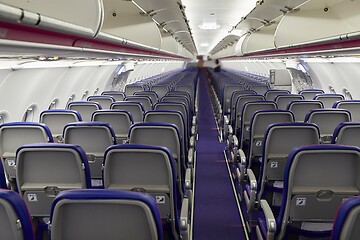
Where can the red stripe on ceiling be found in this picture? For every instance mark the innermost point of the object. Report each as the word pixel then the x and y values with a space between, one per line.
pixel 338 45
pixel 18 32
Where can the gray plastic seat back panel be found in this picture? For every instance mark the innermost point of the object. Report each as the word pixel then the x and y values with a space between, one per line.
pixel 126 169
pixel 94 141
pixel 57 121
pixel 240 102
pixel 131 89
pixel 300 109
pixel 175 107
pixel 8 218
pixel 118 96
pixel 134 109
pixel 322 183
pixel 283 100
pixel 104 219
pixel 354 109
pixel 145 101
pixel 11 138
pixel 152 95
pixel 161 90
pixel 327 122
pixel 104 102
pixel 168 117
pixel 42 173
pixel 280 141
pixel 272 94
pixel 120 122
pixel 349 135
pixel 329 101
pixel 84 110
pixel 157 136
pixel 227 92
pixel 249 109
pixel 260 123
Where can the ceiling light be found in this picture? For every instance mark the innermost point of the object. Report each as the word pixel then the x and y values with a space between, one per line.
pixel 209 26
pixel 204 45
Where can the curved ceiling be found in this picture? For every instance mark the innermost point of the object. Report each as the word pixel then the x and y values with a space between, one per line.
pixel 212 20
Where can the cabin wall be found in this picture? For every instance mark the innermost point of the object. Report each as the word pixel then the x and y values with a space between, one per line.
pixel 36 84
pixel 338 74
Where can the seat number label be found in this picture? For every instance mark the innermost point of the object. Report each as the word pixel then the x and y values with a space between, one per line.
pixel 300 201
pixel 274 165
pixel 11 163
pixel 32 197
pixel 160 199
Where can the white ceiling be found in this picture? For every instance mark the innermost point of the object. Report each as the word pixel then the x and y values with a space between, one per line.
pixel 221 14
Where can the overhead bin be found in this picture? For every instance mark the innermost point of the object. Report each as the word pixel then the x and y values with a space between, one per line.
pixel 276 27
pixel 67 16
pixel 30 28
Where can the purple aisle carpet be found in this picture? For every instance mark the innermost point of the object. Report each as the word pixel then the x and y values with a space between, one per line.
pixel 215 214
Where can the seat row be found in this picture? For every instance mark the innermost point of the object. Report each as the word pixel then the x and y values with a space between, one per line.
pixel 153 162
pixel 45 170
pixel 289 184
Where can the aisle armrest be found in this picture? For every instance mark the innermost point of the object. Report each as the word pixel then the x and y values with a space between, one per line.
pixel 250 191
pixel 188 179
pixel 184 215
pixel 241 166
pixel 191 157
pixel 270 219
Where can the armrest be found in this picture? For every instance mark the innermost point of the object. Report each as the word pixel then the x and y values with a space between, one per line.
pixel 226 120
pixel 188 178
pixel 184 215
pixel 194 120
pixel 270 219
pixel 251 196
pixel 228 135
pixel 241 166
pixel 191 157
pixel 193 131
pixel 235 147
pixel 192 142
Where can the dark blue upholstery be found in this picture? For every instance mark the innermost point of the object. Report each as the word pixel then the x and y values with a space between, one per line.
pixel 343 214
pixel 3 184
pixel 21 211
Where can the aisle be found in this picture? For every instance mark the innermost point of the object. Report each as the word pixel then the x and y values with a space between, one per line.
pixel 216 214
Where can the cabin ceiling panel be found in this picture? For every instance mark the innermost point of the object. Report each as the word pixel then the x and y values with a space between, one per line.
pixel 336 19
pixel 211 20
pixel 122 19
pixel 76 12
